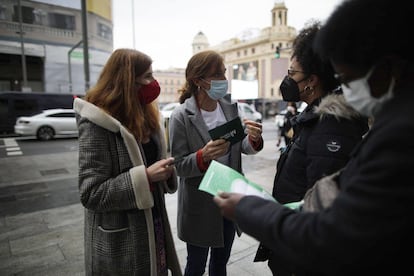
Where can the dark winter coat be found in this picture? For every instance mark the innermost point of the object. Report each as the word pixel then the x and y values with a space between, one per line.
pixel 325 134
pixel 368 230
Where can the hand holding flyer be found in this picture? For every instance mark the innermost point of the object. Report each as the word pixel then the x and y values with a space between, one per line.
pixel 231 131
pixel 221 178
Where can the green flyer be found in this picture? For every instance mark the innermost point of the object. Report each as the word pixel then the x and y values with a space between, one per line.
pixel 221 178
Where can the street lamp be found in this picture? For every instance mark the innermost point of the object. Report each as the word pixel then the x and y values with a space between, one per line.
pixel 25 87
pixel 85 44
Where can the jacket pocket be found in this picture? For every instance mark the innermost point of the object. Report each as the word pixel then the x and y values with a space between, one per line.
pixel 112 230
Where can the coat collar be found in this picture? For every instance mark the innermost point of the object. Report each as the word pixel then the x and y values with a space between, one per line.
pixel 96 115
pixel 99 117
pixel 194 114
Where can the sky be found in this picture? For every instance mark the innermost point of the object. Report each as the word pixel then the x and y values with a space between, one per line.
pixel 165 29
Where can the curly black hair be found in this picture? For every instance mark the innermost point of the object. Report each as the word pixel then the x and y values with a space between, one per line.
pixel 310 61
pixel 360 32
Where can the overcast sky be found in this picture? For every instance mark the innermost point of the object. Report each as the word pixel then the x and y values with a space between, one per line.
pixel 165 29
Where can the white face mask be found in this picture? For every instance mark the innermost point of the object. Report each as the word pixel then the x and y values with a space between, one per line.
pixel 358 95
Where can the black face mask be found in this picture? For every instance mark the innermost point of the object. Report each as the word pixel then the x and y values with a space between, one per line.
pixel 290 89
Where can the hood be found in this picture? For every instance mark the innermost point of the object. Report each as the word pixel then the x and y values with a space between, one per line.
pixel 336 105
pixel 331 105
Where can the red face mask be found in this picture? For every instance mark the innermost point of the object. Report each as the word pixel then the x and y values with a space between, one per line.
pixel 148 93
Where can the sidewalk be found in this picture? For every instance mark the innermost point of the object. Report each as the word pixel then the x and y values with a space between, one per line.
pixel 50 242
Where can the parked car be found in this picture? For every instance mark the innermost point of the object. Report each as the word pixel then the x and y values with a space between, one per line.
pixel 246 111
pixel 48 124
pixel 167 109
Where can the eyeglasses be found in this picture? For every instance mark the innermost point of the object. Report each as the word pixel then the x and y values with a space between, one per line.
pixel 292 72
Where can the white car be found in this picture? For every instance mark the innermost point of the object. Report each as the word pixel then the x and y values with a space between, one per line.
pixel 246 111
pixel 48 124
pixel 167 109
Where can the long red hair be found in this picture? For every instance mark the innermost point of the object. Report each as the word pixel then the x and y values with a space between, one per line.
pixel 116 92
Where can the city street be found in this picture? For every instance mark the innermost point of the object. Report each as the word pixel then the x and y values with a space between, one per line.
pixel 41 219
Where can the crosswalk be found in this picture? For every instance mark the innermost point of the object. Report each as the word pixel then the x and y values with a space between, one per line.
pixel 11 147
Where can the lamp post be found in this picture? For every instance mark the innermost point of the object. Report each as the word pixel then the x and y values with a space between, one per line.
pixel 24 88
pixel 69 65
pixel 85 44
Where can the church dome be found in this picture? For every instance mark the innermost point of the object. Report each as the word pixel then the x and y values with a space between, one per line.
pixel 200 38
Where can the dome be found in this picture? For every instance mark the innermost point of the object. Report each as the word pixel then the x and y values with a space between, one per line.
pixel 200 38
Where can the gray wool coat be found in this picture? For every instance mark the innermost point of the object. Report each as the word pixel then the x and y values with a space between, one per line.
pixel 199 221
pixel 114 189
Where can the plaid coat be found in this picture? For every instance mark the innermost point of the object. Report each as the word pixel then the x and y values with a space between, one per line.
pixel 114 189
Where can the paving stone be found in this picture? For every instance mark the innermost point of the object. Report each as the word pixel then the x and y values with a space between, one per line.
pixel 65 269
pixel 45 239
pixel 4 249
pixel 29 260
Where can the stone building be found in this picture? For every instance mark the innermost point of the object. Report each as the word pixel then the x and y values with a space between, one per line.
pixel 253 70
pixel 50 34
pixel 259 50
pixel 170 80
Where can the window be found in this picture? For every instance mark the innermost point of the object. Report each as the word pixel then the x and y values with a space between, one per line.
pixel 29 105
pixel 27 14
pixel 39 16
pixel 2 13
pixel 63 115
pixel 4 107
pixel 61 21
pixel 104 31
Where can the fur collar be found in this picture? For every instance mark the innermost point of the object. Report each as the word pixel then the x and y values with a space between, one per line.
pixel 96 115
pixel 336 105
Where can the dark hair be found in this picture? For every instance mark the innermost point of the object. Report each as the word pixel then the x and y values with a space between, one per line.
pixel 199 66
pixel 310 61
pixel 359 32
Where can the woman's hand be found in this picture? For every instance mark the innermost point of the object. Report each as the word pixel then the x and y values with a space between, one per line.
pixel 214 149
pixel 227 203
pixel 254 130
pixel 160 170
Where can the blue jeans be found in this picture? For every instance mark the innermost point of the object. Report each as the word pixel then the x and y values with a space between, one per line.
pixel 219 256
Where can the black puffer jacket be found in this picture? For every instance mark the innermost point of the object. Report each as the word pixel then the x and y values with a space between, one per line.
pixel 325 134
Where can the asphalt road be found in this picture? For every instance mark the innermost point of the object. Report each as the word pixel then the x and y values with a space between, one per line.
pixel 35 196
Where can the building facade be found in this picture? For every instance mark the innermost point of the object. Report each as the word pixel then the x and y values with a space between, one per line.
pixel 254 70
pixel 171 81
pixel 47 36
pixel 53 51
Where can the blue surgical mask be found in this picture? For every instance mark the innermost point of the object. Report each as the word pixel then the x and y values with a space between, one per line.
pixel 218 89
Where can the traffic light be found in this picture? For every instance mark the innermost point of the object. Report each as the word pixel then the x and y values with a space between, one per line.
pixel 277 52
